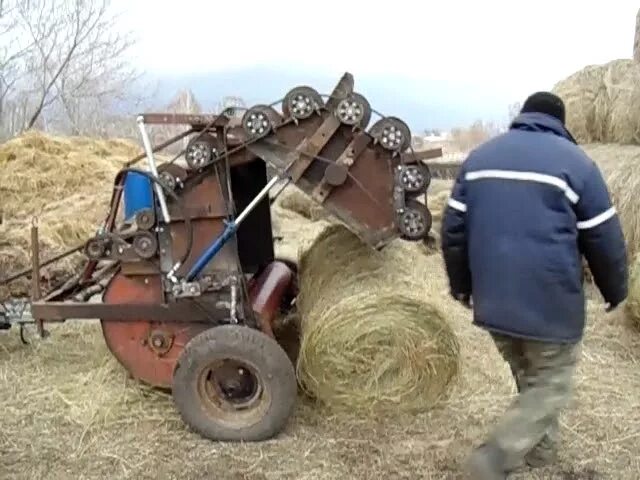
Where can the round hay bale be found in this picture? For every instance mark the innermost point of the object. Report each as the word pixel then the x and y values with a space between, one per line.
pixel 603 103
pixel 619 164
pixel 580 92
pixel 632 306
pixel 374 336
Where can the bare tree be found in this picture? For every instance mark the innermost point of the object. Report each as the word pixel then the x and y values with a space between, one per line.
pixel 514 110
pixel 62 64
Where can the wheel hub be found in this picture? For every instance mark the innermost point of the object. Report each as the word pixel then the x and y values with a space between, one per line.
pixel 257 123
pixel 302 107
pixel 197 154
pixel 231 385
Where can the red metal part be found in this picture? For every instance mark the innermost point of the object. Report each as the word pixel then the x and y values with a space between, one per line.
pixel 130 341
pixel 266 293
pixel 150 350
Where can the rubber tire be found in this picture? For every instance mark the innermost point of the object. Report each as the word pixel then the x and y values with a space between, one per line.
pixel 271 364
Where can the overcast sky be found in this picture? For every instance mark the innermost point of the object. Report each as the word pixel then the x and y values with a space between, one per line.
pixel 490 46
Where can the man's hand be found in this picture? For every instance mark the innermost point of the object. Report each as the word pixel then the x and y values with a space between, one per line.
pixel 464 299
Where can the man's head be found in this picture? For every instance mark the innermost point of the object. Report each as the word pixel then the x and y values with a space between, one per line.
pixel 545 102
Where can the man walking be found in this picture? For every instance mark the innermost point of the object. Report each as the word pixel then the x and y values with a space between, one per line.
pixel 526 207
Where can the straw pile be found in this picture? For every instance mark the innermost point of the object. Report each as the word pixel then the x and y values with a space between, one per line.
pixel 66 183
pixel 603 103
pixel 295 200
pixel 374 337
pixel 619 164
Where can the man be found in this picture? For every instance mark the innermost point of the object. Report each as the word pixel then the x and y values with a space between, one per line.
pixel 525 208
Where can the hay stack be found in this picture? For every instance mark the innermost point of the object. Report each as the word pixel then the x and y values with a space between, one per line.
pixel 603 103
pixel 619 164
pixel 66 183
pixel 374 336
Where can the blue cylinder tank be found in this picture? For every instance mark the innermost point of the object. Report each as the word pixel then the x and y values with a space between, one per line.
pixel 138 194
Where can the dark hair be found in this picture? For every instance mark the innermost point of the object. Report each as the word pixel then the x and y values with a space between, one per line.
pixel 545 102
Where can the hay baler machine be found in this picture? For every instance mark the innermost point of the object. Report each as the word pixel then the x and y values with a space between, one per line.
pixel 189 279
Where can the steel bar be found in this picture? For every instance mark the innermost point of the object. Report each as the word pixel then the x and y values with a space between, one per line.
pixel 154 170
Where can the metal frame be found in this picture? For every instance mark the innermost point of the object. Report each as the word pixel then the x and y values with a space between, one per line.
pixel 296 157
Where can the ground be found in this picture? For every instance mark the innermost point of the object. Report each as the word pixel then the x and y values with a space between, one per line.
pixel 69 411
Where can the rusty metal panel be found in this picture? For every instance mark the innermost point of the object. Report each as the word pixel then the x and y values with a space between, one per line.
pixel 181 311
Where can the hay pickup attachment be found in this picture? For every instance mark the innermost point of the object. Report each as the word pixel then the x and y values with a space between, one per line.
pixel 187 272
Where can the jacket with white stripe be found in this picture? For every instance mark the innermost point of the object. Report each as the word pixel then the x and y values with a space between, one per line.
pixel 526 207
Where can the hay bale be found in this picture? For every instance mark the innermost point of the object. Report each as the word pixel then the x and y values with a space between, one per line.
pixel 619 164
pixel 632 306
pixel 603 103
pixel 374 335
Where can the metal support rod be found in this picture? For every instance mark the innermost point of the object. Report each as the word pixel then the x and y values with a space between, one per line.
pixel 35 274
pixel 154 171
pixel 254 203
pixel 228 232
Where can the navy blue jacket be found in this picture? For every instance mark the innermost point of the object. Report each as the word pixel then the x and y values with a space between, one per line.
pixel 526 207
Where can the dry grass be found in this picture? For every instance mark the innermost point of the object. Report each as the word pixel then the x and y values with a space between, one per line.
pixel 295 200
pixel 69 411
pixel 374 334
pixel 603 103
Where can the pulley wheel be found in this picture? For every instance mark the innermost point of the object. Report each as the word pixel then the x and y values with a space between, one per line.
pixel 168 179
pixel 392 133
pixel 173 175
pixel 145 245
pixel 234 383
pixel 145 219
pixel 354 110
pixel 95 248
pixel 301 102
pixel 414 222
pixel 260 120
pixel 415 178
pixel 200 151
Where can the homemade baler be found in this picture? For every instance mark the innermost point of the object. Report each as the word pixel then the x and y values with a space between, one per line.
pixel 189 280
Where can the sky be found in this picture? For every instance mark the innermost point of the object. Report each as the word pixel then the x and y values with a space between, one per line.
pixel 483 49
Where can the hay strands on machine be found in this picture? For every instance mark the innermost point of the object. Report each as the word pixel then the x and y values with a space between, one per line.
pixel 189 280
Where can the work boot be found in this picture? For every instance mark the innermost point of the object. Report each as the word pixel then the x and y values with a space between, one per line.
pixel 541 455
pixel 486 464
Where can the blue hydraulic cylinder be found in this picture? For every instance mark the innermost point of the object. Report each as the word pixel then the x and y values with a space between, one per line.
pixel 212 251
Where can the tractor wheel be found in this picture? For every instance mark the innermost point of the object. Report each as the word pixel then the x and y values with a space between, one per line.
pixel 234 383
